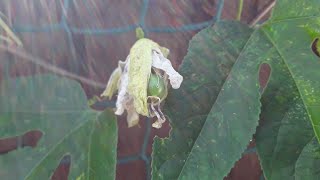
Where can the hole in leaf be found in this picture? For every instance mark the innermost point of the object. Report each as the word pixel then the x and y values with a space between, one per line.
pixel 62 171
pixel 30 139
pixel 8 144
pixel 264 75
pixel 315 47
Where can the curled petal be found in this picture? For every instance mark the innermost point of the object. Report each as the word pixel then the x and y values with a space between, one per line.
pixel 132 115
pixel 157 125
pixel 123 96
pixel 155 102
pixel 160 62
pixel 113 82
pixel 164 51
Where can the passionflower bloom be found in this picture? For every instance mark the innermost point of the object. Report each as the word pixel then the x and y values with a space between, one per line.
pixel 142 82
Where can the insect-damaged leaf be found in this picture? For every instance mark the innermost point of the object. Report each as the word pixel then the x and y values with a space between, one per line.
pixel 213 116
pixel 58 108
pixel 286 137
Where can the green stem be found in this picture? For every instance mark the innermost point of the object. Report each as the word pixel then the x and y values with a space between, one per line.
pixel 139 33
pixel 240 10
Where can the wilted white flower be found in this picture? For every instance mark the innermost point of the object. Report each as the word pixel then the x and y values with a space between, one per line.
pixel 142 82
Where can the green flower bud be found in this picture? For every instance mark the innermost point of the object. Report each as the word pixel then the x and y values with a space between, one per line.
pixel 157 86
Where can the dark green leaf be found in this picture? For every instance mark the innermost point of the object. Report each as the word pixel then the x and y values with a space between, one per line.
pixel 284 129
pixel 215 112
pixel 58 108
pixel 289 32
pixel 206 139
pixel 308 164
pixel 290 113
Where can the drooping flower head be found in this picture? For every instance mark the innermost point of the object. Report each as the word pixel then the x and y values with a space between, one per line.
pixel 133 78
